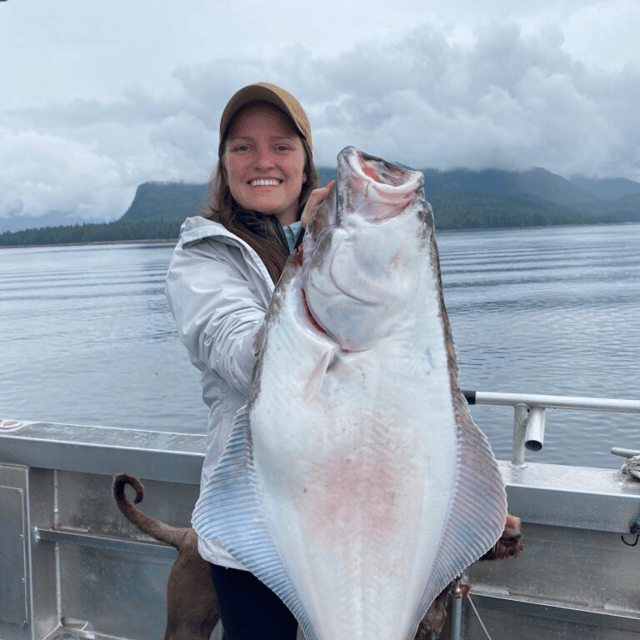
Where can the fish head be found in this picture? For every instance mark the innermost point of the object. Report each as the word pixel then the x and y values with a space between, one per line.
pixel 357 260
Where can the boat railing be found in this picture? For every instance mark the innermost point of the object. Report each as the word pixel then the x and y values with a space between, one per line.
pixel 530 412
pixel 69 560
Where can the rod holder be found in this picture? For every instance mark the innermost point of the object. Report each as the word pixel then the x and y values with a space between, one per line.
pixel 528 431
pixel 534 432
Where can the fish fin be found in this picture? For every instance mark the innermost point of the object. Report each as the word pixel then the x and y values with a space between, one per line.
pixel 314 384
pixel 229 508
pixel 478 509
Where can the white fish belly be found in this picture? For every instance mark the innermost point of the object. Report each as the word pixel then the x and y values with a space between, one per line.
pixel 357 481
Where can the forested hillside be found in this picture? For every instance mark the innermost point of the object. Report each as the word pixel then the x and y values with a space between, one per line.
pixel 461 199
pixel 118 231
pixel 165 201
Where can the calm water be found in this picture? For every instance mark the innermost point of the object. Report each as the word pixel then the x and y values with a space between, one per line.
pixel 86 336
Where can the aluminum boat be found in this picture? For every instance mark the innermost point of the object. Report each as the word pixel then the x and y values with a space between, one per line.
pixel 72 567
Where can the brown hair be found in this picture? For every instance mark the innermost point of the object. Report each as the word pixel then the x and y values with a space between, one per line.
pixel 221 207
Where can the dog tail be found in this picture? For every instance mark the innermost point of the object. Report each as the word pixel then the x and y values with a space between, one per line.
pixel 151 526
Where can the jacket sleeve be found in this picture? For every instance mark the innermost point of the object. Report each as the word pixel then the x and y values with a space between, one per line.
pixel 218 308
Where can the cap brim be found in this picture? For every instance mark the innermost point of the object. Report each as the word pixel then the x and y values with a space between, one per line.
pixel 263 93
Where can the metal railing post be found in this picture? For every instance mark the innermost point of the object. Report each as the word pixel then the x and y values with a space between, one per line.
pixel 456 611
pixel 520 416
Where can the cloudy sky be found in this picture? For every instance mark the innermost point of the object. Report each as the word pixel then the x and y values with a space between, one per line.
pixel 97 97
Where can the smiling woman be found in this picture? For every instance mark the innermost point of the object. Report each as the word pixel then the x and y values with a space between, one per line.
pixel 264 160
pixel 219 286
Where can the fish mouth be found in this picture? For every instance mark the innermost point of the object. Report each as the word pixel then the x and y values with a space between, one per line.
pixel 388 189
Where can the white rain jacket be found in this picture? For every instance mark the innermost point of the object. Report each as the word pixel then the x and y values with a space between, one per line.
pixel 218 291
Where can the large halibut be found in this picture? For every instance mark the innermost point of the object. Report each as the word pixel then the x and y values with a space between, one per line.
pixel 355 483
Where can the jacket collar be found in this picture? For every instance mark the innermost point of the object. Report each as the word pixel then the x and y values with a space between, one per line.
pixel 263 226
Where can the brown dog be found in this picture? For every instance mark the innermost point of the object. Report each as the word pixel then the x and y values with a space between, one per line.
pixel 192 603
pixel 509 544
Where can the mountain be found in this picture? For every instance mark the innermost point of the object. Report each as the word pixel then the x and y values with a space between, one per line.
pixel 165 201
pixel 535 183
pixel 461 199
pixel 607 188
pixel 326 175
pixel 548 189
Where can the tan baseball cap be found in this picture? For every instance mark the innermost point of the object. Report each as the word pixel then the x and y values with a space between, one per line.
pixel 266 92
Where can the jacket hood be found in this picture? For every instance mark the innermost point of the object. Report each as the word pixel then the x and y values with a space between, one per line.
pixel 196 228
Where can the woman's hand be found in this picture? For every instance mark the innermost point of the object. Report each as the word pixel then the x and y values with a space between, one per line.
pixel 317 197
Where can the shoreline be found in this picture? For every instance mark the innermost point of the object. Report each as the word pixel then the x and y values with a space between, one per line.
pixel 82 244
pixel 438 230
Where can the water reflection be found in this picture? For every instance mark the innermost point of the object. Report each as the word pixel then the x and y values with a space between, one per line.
pixel 86 335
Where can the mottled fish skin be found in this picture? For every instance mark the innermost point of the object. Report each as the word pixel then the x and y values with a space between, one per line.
pixel 355 484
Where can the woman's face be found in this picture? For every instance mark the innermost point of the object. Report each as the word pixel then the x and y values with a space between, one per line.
pixel 264 160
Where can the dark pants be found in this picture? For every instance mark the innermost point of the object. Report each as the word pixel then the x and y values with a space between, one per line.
pixel 249 609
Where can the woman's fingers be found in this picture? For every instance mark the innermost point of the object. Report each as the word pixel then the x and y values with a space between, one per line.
pixel 317 197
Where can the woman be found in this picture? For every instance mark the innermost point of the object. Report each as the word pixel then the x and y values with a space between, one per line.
pixel 219 285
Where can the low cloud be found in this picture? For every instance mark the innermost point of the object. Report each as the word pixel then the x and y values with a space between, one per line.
pixel 507 101
pixel 44 172
pixel 503 99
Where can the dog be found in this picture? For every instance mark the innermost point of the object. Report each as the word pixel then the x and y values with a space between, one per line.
pixel 192 604
pixel 509 544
